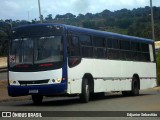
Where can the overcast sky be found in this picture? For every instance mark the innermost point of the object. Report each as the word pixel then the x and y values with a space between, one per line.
pixel 19 9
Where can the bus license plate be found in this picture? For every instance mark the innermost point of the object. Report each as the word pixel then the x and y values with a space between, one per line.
pixel 33 91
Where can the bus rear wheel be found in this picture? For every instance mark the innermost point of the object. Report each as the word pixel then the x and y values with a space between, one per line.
pixel 37 99
pixel 84 96
pixel 135 87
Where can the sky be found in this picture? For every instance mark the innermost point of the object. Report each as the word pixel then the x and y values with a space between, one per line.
pixel 28 9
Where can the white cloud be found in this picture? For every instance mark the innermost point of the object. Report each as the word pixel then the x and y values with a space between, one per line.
pixel 11 5
pixel 18 9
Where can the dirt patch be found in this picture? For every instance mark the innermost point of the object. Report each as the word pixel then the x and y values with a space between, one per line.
pixel 3 62
pixel 157 88
pixel 4 93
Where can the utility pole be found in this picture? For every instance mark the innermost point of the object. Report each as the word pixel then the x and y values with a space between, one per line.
pixel 40 15
pixel 152 21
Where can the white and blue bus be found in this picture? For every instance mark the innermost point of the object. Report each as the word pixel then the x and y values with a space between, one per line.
pixel 57 59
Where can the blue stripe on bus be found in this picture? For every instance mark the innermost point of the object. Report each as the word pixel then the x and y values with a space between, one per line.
pixel 42 89
pixel 64 68
pixel 96 32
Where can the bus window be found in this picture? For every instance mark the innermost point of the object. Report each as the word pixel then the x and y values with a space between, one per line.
pixel 125 45
pixel 85 40
pixel 144 47
pixel 115 44
pixel 86 46
pixel 87 52
pixel 99 52
pixel 99 44
pixel 135 46
pixel 98 41
pixel 74 46
pixel 109 43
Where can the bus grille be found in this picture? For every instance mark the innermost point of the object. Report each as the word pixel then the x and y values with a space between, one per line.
pixel 33 82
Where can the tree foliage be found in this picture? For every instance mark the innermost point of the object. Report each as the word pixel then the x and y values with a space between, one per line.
pixel 158 67
pixel 136 22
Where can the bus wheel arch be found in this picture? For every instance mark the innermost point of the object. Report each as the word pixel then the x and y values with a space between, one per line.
pixel 90 81
pixel 136 76
pixel 135 85
pixel 87 87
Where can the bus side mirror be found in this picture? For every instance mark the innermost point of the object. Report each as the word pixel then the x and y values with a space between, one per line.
pixel 74 61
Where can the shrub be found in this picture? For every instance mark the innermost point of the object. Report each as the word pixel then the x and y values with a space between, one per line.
pixel 158 67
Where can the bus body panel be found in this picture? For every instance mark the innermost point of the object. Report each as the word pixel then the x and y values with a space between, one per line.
pixel 28 76
pixel 45 90
pixel 54 84
pixel 112 75
pixel 108 75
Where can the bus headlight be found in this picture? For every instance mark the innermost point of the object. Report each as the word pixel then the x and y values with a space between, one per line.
pixel 53 80
pixel 58 80
pixel 13 82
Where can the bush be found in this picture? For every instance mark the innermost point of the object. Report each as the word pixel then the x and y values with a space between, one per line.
pixel 158 67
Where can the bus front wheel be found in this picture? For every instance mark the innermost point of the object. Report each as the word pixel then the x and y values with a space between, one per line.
pixel 37 99
pixel 84 96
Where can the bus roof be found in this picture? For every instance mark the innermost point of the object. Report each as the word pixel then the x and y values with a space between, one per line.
pixel 108 34
pixel 95 32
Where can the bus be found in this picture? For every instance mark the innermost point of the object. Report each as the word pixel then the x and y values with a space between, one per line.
pixel 56 59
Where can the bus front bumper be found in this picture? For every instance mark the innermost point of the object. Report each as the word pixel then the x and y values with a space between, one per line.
pixel 45 90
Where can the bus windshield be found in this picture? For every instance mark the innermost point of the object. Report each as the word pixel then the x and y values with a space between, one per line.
pixel 36 50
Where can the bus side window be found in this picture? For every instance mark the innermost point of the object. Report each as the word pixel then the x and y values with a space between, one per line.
pixel 74 46
pixel 99 47
pixel 86 46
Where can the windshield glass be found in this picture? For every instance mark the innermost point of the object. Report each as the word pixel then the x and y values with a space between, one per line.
pixel 48 49
pixel 36 50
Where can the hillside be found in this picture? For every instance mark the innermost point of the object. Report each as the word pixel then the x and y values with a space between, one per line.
pixel 136 22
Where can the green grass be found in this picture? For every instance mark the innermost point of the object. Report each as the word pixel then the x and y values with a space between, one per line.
pixel 158 67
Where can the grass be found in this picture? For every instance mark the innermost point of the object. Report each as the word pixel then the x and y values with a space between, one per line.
pixel 158 67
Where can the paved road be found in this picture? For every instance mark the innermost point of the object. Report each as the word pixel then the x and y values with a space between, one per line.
pixel 149 100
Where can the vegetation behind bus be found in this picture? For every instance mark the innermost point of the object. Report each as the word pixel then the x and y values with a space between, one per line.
pixel 134 22
pixel 158 67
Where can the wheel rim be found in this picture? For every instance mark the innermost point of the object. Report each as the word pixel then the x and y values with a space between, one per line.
pixel 87 90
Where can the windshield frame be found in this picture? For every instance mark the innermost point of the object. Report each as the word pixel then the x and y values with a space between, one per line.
pixel 33 67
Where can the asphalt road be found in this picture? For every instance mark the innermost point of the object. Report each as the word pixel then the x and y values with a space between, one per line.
pixel 149 100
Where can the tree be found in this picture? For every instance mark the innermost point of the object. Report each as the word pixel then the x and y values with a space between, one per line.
pixel 3 43
pixel 49 17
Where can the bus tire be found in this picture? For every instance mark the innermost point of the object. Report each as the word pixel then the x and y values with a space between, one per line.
pixel 37 99
pixel 135 87
pixel 84 96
